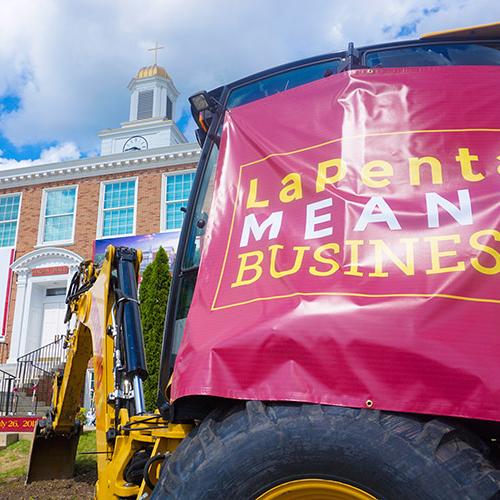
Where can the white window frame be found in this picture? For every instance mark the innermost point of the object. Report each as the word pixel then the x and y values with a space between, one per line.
pixel 100 216
pixel 163 206
pixel 18 214
pixel 41 224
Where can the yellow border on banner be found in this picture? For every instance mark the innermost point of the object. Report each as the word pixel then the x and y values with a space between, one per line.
pixel 355 294
pixel 346 294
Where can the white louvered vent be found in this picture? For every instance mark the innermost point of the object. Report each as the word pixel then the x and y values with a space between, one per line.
pixel 145 105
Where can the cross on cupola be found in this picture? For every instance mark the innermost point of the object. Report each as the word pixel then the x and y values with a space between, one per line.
pixel 153 92
pixel 156 48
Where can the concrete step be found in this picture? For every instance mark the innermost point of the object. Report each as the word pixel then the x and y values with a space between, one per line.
pixel 28 401
pixel 23 408
pixel 41 410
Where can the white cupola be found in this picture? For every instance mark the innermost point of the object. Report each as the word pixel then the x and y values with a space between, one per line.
pixel 152 94
pixel 151 122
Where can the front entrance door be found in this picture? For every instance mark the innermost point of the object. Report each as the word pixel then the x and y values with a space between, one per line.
pixel 54 310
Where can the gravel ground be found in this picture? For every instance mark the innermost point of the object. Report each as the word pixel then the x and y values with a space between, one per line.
pixel 13 464
pixel 80 487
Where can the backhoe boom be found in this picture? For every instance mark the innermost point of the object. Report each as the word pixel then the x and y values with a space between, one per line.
pixel 104 323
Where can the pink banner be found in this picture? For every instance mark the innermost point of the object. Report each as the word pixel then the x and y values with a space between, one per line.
pixel 352 252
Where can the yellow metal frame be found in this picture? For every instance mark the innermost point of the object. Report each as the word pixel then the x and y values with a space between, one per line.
pixel 111 482
pixel 491 30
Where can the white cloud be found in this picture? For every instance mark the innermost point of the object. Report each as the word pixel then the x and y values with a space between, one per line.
pixel 70 61
pixel 61 152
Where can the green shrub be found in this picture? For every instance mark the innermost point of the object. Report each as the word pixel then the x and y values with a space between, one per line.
pixel 82 415
pixel 153 295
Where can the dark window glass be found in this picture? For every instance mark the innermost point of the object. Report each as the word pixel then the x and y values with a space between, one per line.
pixel 201 213
pixel 281 82
pixel 186 290
pixel 55 292
pixel 193 250
pixel 453 54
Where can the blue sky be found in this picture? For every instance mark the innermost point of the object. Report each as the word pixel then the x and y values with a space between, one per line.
pixel 65 64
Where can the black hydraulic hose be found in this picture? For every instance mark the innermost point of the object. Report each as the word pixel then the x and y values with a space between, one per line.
pixel 149 463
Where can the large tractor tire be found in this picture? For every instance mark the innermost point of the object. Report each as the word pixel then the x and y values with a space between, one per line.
pixel 269 451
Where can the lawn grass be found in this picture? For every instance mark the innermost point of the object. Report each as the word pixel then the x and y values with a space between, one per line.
pixel 85 463
pixel 14 459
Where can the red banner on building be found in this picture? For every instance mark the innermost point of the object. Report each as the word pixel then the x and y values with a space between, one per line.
pixel 7 255
pixel 18 424
pixel 352 253
pixel 49 271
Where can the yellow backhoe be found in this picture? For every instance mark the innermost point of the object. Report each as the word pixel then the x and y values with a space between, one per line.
pixel 390 424
pixel 105 325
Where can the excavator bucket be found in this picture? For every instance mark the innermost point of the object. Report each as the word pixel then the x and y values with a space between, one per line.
pixel 52 456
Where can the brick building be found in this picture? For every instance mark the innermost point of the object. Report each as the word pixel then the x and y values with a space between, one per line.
pixel 54 215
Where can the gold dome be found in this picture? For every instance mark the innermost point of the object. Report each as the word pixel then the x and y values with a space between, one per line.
pixel 154 70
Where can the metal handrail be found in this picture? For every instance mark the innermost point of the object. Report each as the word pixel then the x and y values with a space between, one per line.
pixel 47 372
pixel 6 392
pixel 36 352
pixel 34 370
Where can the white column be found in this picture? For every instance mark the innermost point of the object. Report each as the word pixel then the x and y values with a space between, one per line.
pixel 134 99
pixel 163 102
pixel 24 346
pixel 156 100
pixel 16 339
pixel 173 97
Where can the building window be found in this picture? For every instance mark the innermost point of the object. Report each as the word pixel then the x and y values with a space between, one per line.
pixel 169 108
pixel 58 215
pixel 177 189
pixel 55 292
pixel 118 208
pixel 145 105
pixel 9 214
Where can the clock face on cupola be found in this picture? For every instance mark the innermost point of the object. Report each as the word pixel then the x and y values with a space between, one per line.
pixel 136 143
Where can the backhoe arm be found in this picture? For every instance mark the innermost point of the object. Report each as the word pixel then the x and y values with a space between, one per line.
pixel 54 446
pixel 105 324
pixel 68 385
